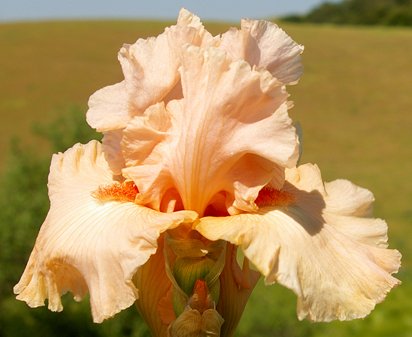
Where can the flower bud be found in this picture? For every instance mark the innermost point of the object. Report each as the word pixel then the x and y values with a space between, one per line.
pixel 191 323
pixel 199 319
pixel 191 260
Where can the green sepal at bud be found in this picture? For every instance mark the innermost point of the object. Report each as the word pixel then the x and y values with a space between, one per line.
pixel 188 270
pixel 189 260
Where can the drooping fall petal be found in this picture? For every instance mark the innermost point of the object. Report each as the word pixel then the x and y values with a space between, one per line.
pixel 230 133
pixel 349 208
pixel 305 246
pixel 264 45
pixel 91 241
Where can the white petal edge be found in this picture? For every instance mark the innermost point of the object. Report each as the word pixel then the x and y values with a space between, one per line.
pixel 85 244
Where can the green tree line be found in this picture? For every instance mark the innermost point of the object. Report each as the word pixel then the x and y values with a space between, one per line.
pixel 359 12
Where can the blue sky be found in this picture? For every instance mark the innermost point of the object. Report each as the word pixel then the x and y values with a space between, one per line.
pixel 233 10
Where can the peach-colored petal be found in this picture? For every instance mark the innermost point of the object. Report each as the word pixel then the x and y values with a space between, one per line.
pixel 149 130
pixel 231 132
pixel 335 273
pixel 349 207
pixel 150 68
pixel 90 244
pixel 109 108
pixel 265 45
pixel 111 145
pixel 151 65
pixel 357 203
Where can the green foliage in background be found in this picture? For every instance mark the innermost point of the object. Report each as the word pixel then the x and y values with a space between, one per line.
pixel 360 12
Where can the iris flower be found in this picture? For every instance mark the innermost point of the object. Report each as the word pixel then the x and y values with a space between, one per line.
pixel 199 162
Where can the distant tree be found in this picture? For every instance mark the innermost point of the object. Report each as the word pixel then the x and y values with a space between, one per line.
pixel 360 12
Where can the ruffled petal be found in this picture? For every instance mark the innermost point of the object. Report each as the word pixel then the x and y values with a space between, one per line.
pixel 264 45
pixel 87 242
pixel 357 202
pixel 231 133
pixel 150 67
pixel 349 208
pixel 335 273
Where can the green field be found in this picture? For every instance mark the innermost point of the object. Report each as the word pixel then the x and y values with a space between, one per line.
pixel 353 103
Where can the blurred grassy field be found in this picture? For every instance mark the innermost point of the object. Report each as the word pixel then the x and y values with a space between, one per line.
pixel 353 103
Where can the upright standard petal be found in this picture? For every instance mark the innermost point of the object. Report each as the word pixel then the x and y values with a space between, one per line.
pixel 94 237
pixel 150 67
pixel 309 244
pixel 229 134
pixel 111 147
pixel 264 45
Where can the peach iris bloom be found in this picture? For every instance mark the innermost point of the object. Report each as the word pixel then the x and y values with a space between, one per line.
pixel 199 157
